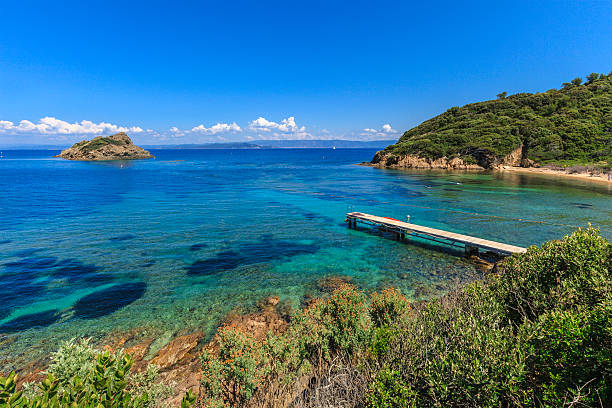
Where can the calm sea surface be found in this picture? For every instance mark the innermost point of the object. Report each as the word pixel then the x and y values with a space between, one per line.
pixel 171 245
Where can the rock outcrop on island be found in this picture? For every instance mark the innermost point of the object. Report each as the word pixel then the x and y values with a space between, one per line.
pixel 115 147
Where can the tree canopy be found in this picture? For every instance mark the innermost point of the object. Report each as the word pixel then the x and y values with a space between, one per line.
pixel 568 126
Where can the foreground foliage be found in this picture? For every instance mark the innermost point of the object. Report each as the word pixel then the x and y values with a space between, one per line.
pixel 536 332
pixel 572 125
pixel 81 376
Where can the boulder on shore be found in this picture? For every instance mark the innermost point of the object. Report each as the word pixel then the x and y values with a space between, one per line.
pixel 115 147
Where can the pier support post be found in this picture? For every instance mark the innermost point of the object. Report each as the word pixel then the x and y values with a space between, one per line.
pixel 471 251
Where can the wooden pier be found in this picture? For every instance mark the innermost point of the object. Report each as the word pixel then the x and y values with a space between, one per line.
pixel 401 229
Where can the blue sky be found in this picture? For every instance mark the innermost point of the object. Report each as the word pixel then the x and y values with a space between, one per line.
pixel 183 72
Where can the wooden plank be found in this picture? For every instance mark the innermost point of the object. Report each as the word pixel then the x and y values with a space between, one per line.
pixel 437 233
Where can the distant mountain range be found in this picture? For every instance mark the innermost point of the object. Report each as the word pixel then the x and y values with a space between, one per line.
pixel 255 144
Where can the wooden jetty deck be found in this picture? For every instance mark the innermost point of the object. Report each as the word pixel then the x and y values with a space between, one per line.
pixel 401 229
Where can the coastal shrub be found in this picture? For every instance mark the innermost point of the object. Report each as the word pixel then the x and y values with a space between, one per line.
pixel 232 375
pixel 561 274
pixel 146 383
pixel 571 356
pixel 72 359
pixel 389 390
pixel 245 368
pixel 339 323
pixel 104 381
pixel 537 331
pixel 388 307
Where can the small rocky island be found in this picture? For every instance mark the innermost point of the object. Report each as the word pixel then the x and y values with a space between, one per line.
pixel 115 147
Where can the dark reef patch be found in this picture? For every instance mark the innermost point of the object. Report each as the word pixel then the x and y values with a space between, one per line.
pixel 25 280
pixel 30 265
pixel 124 237
pixel 197 247
pixel 74 271
pixel 581 205
pixel 41 319
pixel 223 261
pixel 265 250
pixel 149 263
pixel 24 253
pixel 107 301
pixel 18 282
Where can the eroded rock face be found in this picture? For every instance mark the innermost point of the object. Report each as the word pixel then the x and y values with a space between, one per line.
pixel 483 157
pixel 383 159
pixel 179 351
pixel 115 147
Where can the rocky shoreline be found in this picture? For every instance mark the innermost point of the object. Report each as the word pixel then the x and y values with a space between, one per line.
pixel 479 159
pixel 179 362
pixel 513 162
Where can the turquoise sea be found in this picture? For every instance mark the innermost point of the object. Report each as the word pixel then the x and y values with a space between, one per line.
pixel 171 245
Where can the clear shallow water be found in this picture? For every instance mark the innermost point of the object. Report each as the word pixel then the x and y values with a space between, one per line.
pixel 171 245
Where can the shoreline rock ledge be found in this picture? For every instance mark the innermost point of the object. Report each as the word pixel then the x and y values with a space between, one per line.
pixel 115 147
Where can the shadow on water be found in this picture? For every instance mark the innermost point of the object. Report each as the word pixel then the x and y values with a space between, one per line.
pixel 581 205
pixel 74 270
pixel 148 263
pixel 24 253
pixel 265 250
pixel 21 323
pixel 107 301
pixel 19 284
pixel 418 242
pixel 27 279
pixel 197 247
pixel 123 237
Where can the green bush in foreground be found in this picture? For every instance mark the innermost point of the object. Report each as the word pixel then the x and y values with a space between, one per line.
pixel 536 333
pixel 81 376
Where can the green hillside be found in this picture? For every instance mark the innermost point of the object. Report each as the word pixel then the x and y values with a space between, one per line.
pixel 572 125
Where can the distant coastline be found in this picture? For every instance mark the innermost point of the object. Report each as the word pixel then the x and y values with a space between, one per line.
pixel 255 144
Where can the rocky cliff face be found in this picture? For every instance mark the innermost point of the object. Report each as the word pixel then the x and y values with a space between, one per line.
pixel 483 160
pixel 115 147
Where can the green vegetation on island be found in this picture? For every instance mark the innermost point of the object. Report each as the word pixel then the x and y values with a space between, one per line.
pixel 569 126
pixel 115 147
pixel 534 332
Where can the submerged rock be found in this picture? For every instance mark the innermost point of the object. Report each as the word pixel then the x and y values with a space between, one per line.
pixel 115 147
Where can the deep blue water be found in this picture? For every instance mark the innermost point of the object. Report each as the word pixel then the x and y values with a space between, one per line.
pixel 171 245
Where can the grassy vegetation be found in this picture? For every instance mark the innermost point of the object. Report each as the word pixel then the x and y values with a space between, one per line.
pixel 99 142
pixel 569 126
pixel 535 332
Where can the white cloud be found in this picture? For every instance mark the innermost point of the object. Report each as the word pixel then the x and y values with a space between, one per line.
pixel 286 128
pixel 52 126
pixel 386 128
pixel 385 131
pixel 218 128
